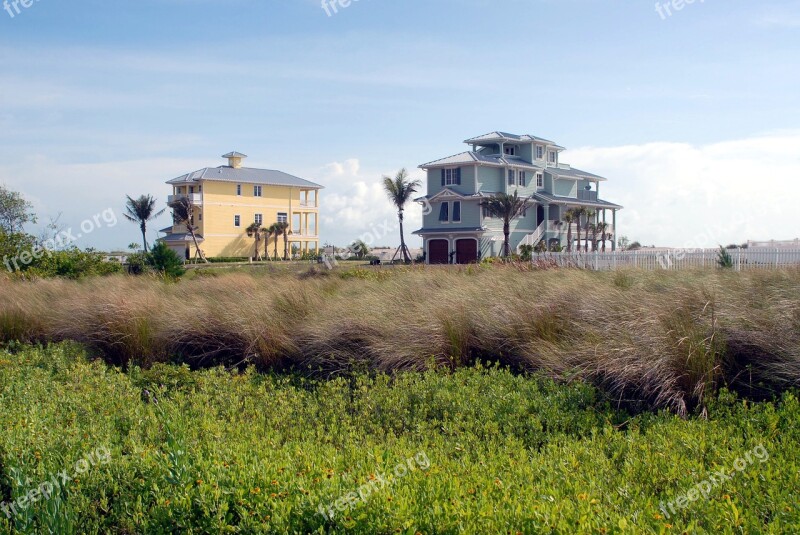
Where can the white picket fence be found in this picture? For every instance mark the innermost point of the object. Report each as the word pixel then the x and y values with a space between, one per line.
pixel 674 259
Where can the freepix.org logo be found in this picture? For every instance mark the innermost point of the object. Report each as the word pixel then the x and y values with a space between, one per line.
pixel 15 7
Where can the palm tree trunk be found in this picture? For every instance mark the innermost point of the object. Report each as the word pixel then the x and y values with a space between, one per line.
pixel 276 246
pixel 569 236
pixel 506 241
pixel 578 228
pixel 285 245
pixel 197 245
pixel 143 226
pixel 403 247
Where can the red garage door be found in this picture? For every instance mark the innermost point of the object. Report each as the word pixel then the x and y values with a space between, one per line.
pixel 438 252
pixel 466 251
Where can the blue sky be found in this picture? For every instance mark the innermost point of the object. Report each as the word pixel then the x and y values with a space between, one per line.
pixel 687 115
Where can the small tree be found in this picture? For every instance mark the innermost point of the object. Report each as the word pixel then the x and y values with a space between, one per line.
pixel 400 190
pixel 142 211
pixel 507 207
pixel 569 217
pixel 15 211
pixel 254 231
pixel 360 249
pixel 724 258
pixel 183 214
pixel 166 261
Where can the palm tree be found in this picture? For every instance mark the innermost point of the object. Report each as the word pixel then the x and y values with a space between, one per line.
pixel 254 231
pixel 274 230
pixel 569 217
pixel 360 248
pixel 507 207
pixel 142 210
pixel 183 214
pixel 602 229
pixel 579 212
pixel 282 227
pixel 400 189
pixel 589 217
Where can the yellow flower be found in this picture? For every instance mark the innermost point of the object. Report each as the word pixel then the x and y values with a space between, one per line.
pixel 583 496
pixel 657 516
pixel 256 490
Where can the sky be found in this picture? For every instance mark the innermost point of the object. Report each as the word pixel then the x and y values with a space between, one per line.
pixel 692 114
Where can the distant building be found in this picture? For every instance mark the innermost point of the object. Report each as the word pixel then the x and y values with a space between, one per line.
pixel 229 198
pixel 459 231
pixel 774 244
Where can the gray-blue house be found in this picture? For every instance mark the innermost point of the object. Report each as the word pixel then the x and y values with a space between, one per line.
pixel 456 230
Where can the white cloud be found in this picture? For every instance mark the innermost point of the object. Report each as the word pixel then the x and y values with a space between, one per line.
pixel 682 195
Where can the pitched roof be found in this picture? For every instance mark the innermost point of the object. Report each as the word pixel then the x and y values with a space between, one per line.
pixel 245 175
pixel 181 238
pixel 470 158
pixel 234 154
pixel 505 136
pixel 571 172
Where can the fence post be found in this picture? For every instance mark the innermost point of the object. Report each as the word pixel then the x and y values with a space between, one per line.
pixel 777 253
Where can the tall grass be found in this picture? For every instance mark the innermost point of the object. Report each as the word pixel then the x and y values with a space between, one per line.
pixel 647 339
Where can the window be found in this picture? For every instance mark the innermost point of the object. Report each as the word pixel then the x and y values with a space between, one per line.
pixel 191 189
pixel 444 212
pixel 200 216
pixel 451 177
pixel 259 219
pixel 256 191
pixel 521 176
pixel 539 152
pixel 237 221
pixel 239 190
pixel 456 211
pixel 283 217
pixel 552 157
pixel 486 213
pixel 510 151
pixel 539 180
pixel 512 179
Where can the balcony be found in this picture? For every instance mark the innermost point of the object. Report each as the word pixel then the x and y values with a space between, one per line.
pixel 194 198
pixel 584 195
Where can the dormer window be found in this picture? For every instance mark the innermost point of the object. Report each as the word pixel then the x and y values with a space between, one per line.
pixel 510 150
pixel 539 152
pixel 552 157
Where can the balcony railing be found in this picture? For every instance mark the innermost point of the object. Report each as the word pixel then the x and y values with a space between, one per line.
pixel 584 195
pixel 194 198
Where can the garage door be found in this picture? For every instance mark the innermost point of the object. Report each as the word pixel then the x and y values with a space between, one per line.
pixel 466 251
pixel 438 252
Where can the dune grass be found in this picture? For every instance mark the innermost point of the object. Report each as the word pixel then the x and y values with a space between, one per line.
pixel 645 339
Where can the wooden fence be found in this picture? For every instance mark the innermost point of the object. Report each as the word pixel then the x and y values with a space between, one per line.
pixel 674 259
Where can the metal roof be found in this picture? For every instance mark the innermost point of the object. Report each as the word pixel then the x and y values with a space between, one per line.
pixel 245 175
pixel 181 238
pixel 234 154
pixel 555 199
pixel 571 172
pixel 470 158
pixel 505 136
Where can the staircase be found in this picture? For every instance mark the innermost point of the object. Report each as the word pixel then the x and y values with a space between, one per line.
pixel 536 236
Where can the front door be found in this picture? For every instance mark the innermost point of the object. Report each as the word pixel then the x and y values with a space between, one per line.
pixel 466 251
pixel 438 252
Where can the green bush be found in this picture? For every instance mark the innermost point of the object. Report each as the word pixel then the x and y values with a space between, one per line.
pixel 166 261
pixel 220 452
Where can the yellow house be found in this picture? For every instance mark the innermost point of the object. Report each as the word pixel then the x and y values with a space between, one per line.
pixel 229 198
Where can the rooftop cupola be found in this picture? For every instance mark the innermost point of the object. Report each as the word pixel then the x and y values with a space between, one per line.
pixel 235 159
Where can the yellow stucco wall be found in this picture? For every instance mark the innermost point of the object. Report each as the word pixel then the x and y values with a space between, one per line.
pixel 220 204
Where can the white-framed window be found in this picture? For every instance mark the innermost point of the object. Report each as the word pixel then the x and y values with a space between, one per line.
pixel 259 219
pixel 539 152
pixel 512 177
pixel 552 157
pixel 456 212
pixel 256 191
pixel 239 190
pixel 510 150
pixel 539 180
pixel 283 217
pixel 237 221
pixel 444 212
pixel 521 178
pixel 451 177
pixel 191 189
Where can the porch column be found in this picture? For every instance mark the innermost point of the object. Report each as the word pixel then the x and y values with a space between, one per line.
pixel 614 224
pixel 546 219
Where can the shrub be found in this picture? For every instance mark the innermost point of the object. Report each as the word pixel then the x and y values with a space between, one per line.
pixel 166 261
